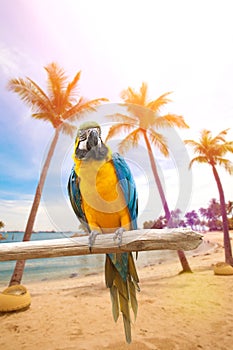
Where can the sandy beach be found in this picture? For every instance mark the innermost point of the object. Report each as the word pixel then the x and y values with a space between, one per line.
pixel 176 311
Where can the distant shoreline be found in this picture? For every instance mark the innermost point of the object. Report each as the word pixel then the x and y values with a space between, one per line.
pixel 52 269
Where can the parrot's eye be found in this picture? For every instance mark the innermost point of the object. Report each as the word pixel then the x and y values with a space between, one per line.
pixel 83 134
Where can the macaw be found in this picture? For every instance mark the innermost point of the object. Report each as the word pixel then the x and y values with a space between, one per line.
pixel 103 195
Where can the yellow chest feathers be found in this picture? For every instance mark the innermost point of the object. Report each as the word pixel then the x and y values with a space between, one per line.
pixel 99 185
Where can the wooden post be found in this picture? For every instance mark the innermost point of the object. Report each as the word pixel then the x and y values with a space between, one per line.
pixel 132 241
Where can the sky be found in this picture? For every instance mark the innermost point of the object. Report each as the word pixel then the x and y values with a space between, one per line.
pixel 180 46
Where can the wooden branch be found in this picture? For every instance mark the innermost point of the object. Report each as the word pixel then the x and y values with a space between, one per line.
pixel 137 240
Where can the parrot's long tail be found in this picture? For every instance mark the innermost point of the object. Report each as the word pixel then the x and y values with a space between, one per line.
pixel 122 280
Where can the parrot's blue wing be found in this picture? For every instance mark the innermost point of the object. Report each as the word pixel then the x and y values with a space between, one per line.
pixel 76 199
pixel 128 186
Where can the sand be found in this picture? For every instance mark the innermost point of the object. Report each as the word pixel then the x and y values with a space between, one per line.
pixel 176 311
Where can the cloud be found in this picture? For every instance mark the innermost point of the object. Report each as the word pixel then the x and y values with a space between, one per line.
pixel 14 62
pixel 9 62
pixel 14 214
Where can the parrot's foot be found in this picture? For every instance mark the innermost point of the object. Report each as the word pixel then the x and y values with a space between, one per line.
pixel 118 235
pixel 92 238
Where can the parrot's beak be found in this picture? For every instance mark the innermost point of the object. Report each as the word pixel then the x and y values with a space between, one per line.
pixel 92 139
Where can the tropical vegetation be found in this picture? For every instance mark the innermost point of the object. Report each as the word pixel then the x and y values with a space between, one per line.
pixel 2 224
pixel 144 120
pixel 60 106
pixel 203 219
pixel 212 151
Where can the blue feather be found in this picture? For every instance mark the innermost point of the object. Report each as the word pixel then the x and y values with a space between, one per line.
pixel 76 199
pixel 128 187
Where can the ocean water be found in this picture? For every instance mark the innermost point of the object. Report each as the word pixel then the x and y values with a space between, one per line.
pixel 37 270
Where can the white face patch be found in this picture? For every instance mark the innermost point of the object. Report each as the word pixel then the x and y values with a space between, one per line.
pixel 82 145
pixel 83 139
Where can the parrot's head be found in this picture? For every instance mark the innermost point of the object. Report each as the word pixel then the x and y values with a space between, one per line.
pixel 89 144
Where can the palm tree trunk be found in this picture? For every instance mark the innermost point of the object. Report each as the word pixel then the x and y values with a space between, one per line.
pixel 157 179
pixel 20 264
pixel 181 254
pixel 226 236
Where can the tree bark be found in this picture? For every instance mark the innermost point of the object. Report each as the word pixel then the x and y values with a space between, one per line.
pixel 226 236
pixel 20 264
pixel 181 254
pixel 157 179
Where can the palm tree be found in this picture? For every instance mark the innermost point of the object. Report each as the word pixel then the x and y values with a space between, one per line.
pixel 229 208
pixel 211 150
pixel 60 106
pixel 175 217
pixel 142 122
pixel 192 218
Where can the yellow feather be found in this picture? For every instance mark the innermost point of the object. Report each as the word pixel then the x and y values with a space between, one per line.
pixel 124 305
pixel 115 302
pixel 109 272
pixel 133 298
pixel 133 272
pixel 105 209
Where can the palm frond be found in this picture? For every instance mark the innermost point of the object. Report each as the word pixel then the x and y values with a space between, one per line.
pixel 82 107
pixel 129 95
pixel 227 164
pixel 39 90
pixel 229 146
pixel 205 133
pixel 198 148
pixel 44 116
pixel 171 120
pixel 176 120
pixel 212 149
pixel 129 141
pixel 156 105
pixel 57 106
pixel 56 84
pixel 119 117
pixel 191 143
pixel 220 149
pixel 206 137
pixel 29 93
pixel 141 114
pixel 57 79
pixel 68 129
pixel 220 136
pixel 159 141
pixel 118 129
pixel 199 159
pixel 143 94
pixel 71 90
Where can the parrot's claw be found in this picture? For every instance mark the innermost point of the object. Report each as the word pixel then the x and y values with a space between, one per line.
pixel 118 235
pixel 91 239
